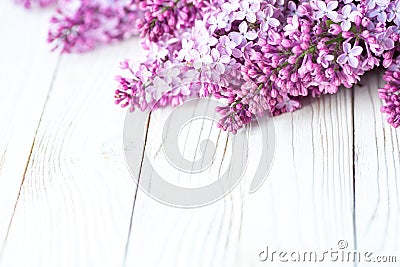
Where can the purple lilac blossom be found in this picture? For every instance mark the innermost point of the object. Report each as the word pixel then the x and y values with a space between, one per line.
pixel 80 25
pixel 262 57
pixel 40 3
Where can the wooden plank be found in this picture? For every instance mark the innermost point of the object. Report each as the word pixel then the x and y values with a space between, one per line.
pixel 26 72
pixel 77 196
pixel 306 203
pixel 166 231
pixel 377 169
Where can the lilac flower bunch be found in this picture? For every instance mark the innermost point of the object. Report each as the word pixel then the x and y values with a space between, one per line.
pixel 79 25
pixel 261 57
pixel 40 3
pixel 167 16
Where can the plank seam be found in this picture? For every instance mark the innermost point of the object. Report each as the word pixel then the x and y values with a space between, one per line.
pixel 30 155
pixel 3 157
pixel 136 192
pixel 354 171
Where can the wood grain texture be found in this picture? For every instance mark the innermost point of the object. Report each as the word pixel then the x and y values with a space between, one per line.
pixel 67 198
pixel 27 70
pixel 377 169
pixel 306 203
pixel 77 194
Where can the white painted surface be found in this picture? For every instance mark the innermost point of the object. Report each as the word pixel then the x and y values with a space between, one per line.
pixel 66 196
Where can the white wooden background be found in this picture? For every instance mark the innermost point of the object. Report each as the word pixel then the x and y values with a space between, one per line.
pixel 67 199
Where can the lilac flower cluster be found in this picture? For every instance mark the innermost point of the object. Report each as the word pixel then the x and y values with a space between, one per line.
pixel 80 25
pixel 167 16
pixel 262 57
pixel 40 3
pixel 391 92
